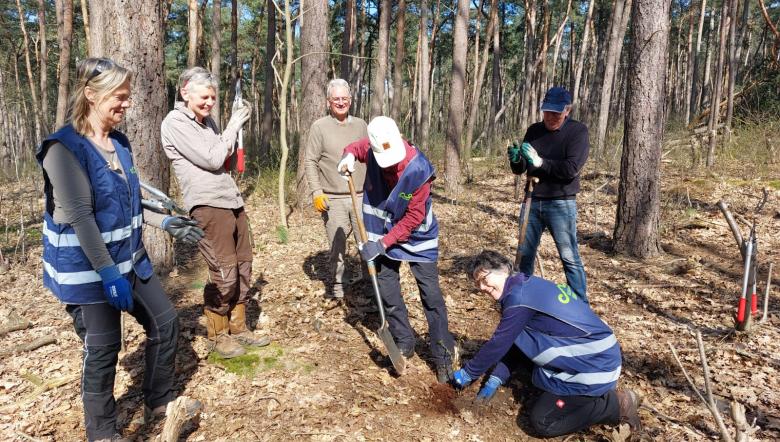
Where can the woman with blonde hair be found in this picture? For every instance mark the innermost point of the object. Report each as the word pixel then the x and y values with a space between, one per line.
pixel 94 260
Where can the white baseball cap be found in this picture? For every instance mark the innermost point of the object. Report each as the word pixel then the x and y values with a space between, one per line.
pixel 386 141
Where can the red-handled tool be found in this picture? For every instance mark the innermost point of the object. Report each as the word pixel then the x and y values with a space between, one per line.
pixel 239 153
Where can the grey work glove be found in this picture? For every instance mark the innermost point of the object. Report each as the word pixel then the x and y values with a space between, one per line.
pixel 240 115
pixel 183 229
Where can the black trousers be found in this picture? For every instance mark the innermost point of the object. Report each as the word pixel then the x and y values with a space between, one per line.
pixel 553 415
pixel 427 276
pixel 98 326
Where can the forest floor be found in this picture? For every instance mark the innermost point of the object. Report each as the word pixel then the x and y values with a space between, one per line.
pixel 325 378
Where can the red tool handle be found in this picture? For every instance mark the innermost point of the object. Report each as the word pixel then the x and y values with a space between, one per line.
pixel 240 160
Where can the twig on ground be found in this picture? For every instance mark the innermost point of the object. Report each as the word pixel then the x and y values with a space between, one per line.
pixel 15 324
pixel 30 346
pixel 44 386
pixel 26 437
pixel 766 294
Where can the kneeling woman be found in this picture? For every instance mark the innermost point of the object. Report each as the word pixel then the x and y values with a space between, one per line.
pixel 93 257
pixel 574 357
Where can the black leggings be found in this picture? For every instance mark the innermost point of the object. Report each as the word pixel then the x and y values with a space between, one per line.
pixel 553 415
pixel 98 326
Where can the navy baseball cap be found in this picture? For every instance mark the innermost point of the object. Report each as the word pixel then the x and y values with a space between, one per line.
pixel 556 99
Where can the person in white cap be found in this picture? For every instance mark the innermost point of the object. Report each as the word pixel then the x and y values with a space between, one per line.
pixel 397 212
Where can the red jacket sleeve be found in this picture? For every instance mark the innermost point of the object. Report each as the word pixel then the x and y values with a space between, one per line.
pixel 414 216
pixel 359 149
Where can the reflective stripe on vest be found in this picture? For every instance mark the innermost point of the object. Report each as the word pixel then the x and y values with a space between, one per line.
pixel 571 351
pixel 72 240
pixel 599 378
pixel 85 277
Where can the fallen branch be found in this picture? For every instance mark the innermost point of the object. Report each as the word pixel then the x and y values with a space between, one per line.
pixel 15 324
pixel 44 386
pixel 766 294
pixel 710 400
pixel 30 346
pixel 744 430
pixel 177 414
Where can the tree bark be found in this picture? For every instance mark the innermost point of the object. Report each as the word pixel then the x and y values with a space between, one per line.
pixel 131 33
pixel 583 50
pixel 347 40
pixel 288 66
pixel 65 36
pixel 455 114
pixel 314 79
pixel 43 66
pixel 85 19
pixel 718 85
pixel 234 62
pixel 380 76
pixel 193 25
pixel 733 66
pixel 620 15
pixel 216 55
pixel 495 81
pixel 400 31
pixel 425 78
pixel 638 207
pixel 268 88
pixel 36 110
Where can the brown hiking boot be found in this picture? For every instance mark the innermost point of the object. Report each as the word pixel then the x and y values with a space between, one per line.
pixel 240 332
pixel 629 402
pixel 217 326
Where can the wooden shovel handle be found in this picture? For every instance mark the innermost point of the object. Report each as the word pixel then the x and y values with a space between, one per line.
pixel 358 213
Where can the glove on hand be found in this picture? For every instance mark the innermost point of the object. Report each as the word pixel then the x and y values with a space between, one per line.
pixel 530 155
pixel 117 288
pixel 240 115
pixel 513 152
pixel 346 166
pixel 461 379
pixel 487 392
pixel 183 229
pixel 370 250
pixel 239 105
pixel 321 203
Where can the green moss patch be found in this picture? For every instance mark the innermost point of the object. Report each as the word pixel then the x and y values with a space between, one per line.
pixel 256 360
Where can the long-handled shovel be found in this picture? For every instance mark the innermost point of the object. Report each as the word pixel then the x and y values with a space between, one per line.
pixel 529 190
pixel 399 363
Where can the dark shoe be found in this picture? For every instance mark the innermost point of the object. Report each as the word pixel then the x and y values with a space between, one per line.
pixel 444 373
pixel 629 404
pixel 408 353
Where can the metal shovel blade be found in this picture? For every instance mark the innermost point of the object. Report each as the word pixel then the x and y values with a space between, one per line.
pixel 399 363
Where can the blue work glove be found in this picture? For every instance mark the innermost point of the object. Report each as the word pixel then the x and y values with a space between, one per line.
pixel 183 229
pixel 370 250
pixel 461 379
pixel 487 392
pixel 530 155
pixel 513 152
pixel 117 288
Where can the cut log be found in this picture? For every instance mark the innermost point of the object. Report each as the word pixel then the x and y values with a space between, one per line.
pixel 177 414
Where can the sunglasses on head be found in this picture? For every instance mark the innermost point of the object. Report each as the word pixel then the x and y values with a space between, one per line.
pixel 103 65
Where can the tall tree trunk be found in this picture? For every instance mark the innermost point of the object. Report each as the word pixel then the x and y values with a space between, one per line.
pixel 286 74
pixel 268 87
pixel 457 90
pixel 495 82
pixel 347 40
pixel 65 35
pixel 85 19
pixel 400 32
pixel 718 85
pixel 529 58
pixel 193 25
pixel 691 66
pixel 43 66
pixel 425 78
pixel 378 96
pixel 480 68
pixel 621 13
pixel 30 77
pixel 733 66
pixel 131 33
pixel 314 79
pixel 583 50
pixel 706 86
pixel 638 208
pixel 694 104
pixel 216 55
pixel 234 62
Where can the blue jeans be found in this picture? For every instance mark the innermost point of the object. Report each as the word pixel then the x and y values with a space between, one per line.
pixel 560 217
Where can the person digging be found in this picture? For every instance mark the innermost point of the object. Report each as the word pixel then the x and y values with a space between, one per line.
pixel 398 217
pixel 573 356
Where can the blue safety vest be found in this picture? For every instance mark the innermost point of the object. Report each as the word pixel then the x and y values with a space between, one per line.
pixel 117 207
pixel 588 364
pixel 384 207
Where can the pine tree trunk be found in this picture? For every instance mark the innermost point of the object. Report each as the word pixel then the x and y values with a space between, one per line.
pixel 528 55
pixel 638 208
pixel 583 50
pixel 495 82
pixel 216 55
pixel 85 20
pixel 718 85
pixel 347 40
pixel 620 15
pixel 457 89
pixel 131 33
pixel 36 107
pixel 400 32
pixel 732 64
pixel 286 74
pixel 234 63
pixel 425 78
pixel 43 66
pixel 65 36
pixel 314 79
pixel 193 25
pixel 266 131
pixel 378 95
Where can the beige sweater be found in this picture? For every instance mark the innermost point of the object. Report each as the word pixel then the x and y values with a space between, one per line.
pixel 327 139
pixel 198 153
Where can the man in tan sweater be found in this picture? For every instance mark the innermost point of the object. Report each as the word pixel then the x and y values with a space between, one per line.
pixel 330 194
